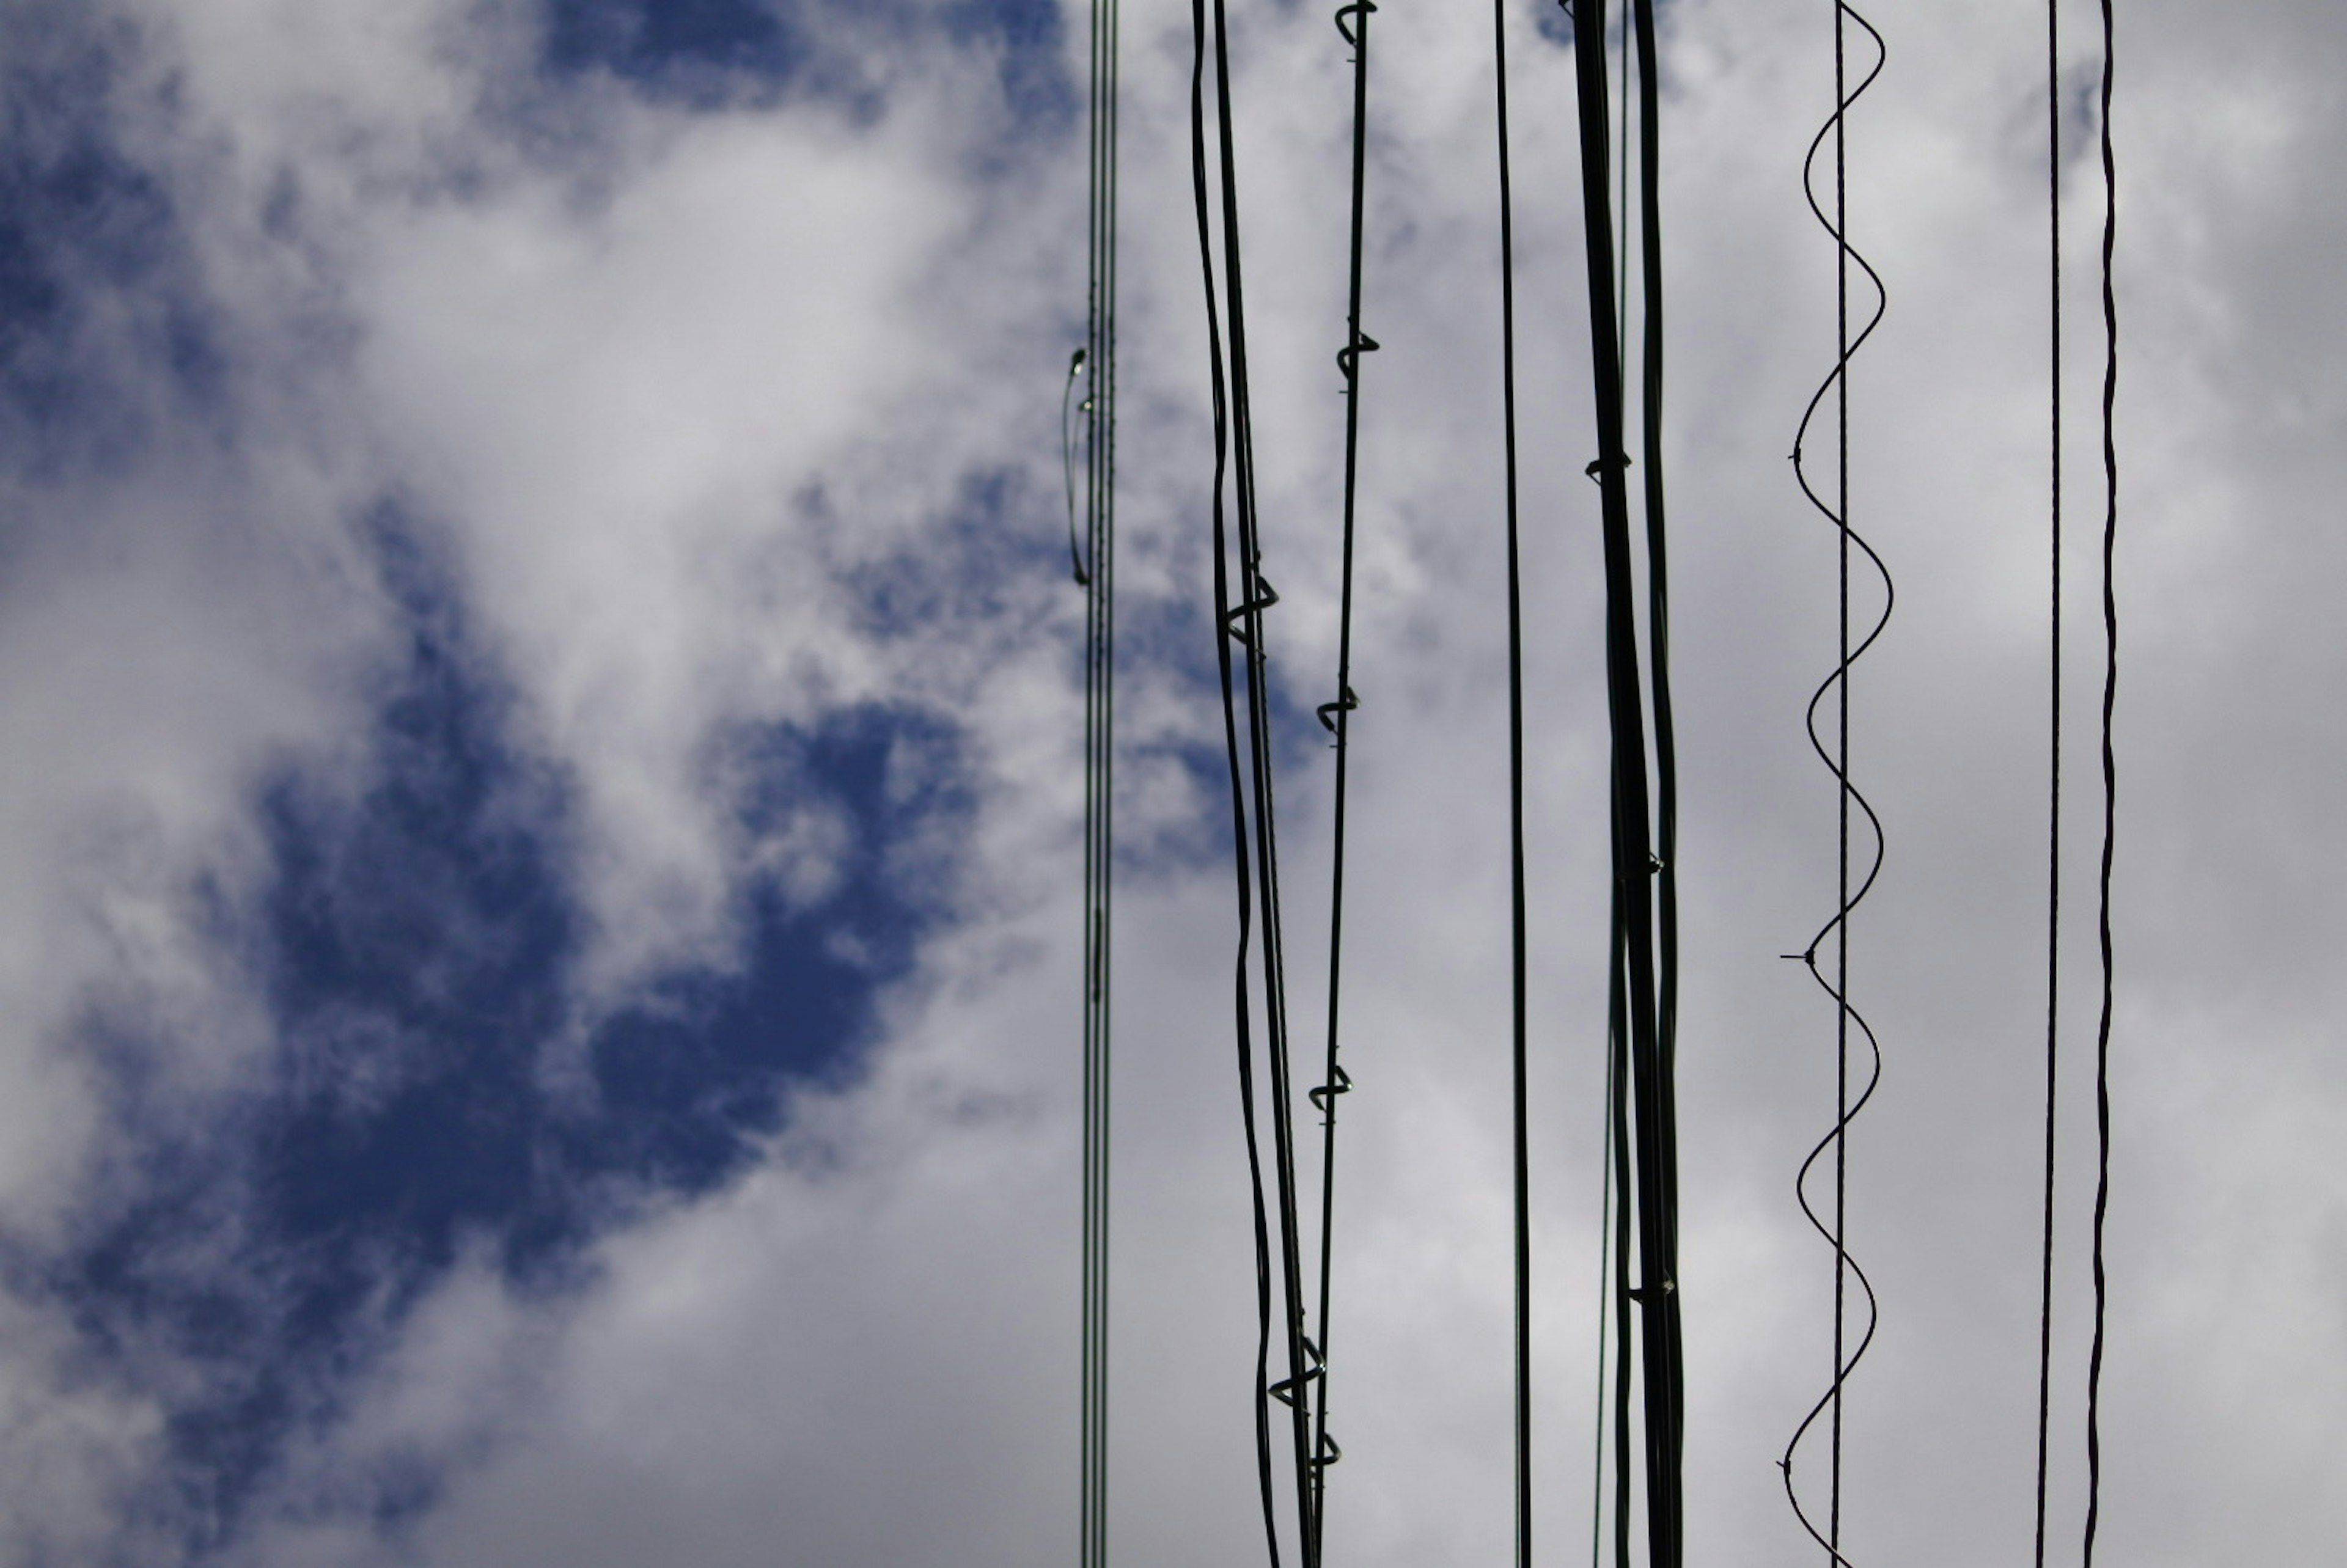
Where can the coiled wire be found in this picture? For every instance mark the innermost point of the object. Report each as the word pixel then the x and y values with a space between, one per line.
pixel 1837 760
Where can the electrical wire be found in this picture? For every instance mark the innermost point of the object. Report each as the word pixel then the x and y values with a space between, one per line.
pixel 1837 760
pixel 2053 744
pixel 1337 717
pixel 1098 357
pixel 1635 863
pixel 1238 544
pixel 1519 1064
pixel 2110 792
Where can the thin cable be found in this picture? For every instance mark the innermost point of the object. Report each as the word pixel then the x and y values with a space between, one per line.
pixel 2110 792
pixel 1518 1055
pixel 1098 580
pixel 1849 797
pixel 1337 716
pixel 2053 742
pixel 1243 624
pixel 1223 613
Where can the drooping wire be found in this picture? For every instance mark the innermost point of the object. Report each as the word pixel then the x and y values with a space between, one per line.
pixel 1518 1056
pixel 1254 839
pixel 1337 717
pixel 2110 792
pixel 1837 760
pixel 1635 863
pixel 1098 579
pixel 2053 745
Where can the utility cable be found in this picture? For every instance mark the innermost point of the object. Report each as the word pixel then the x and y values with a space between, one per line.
pixel 1520 1100
pixel 2053 743
pixel 1851 545
pixel 1634 861
pixel 1337 717
pixel 1614 1274
pixel 1098 358
pixel 1238 566
pixel 2110 792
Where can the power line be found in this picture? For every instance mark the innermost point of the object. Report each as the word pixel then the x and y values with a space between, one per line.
pixel 1851 547
pixel 1337 716
pixel 2053 742
pixel 1519 1066
pixel 1098 576
pixel 1238 555
pixel 1629 690
pixel 2110 792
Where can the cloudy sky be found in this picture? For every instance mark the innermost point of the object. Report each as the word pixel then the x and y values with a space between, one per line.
pixel 539 826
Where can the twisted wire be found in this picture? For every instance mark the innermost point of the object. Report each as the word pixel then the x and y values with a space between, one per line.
pixel 1238 544
pixel 1096 571
pixel 2110 793
pixel 1836 760
pixel 1337 716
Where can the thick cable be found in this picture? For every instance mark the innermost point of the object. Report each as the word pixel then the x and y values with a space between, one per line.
pixel 2052 743
pixel 1614 1274
pixel 1096 571
pixel 1337 716
pixel 2110 794
pixel 1252 794
pixel 1634 861
pixel 1850 548
pixel 1664 859
pixel 1518 1054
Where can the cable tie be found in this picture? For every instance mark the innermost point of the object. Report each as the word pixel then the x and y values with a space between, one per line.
pixel 1598 465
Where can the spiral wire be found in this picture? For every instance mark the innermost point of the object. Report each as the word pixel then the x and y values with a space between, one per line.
pixel 1837 760
pixel 1239 571
pixel 1096 571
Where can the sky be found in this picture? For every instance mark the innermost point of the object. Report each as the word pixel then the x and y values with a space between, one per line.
pixel 541 824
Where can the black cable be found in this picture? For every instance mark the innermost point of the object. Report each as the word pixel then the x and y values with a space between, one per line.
pixel 1337 716
pixel 1634 861
pixel 1223 612
pixel 1667 832
pixel 1243 624
pixel 2110 792
pixel 1517 1053
pixel 2053 744
pixel 1098 580
pixel 1846 1106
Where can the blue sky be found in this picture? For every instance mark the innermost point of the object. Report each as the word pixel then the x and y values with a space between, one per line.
pixel 540 835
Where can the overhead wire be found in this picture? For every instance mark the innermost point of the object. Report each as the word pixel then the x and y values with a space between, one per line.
pixel 2110 793
pixel 2053 745
pixel 1096 571
pixel 1612 1276
pixel 1238 565
pixel 1629 691
pixel 1519 1065
pixel 1336 716
pixel 1851 547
